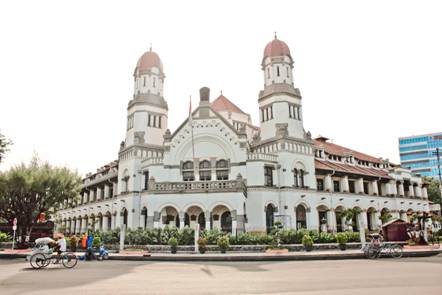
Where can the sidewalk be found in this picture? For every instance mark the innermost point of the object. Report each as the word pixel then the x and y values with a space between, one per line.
pixel 418 251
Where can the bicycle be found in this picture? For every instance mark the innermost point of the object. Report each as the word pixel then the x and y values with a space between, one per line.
pixel 392 250
pixel 41 260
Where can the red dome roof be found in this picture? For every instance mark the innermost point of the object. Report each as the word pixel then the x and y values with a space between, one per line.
pixel 149 60
pixel 276 48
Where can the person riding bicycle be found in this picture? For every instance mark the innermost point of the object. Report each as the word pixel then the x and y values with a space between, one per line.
pixel 377 239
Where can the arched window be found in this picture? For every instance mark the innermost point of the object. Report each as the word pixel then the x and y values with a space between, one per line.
pixel 144 81
pixel 205 172
pixel 295 175
pixel 270 211
pixel 188 173
pixel 301 217
pixel 222 171
pixel 288 72
pixel 301 178
pixel 226 222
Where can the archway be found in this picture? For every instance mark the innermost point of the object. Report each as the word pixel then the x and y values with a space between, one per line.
pixel 301 216
pixel 195 216
pixel 124 214
pixel 270 217
pixel 108 220
pixel 143 223
pixel 169 216
pixel 221 218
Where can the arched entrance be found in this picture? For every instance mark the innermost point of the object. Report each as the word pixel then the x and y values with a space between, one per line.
pixel 301 217
pixel 124 214
pixel 169 216
pixel 108 220
pixel 371 219
pixel 195 215
pixel 222 219
pixel 270 215
pixel 143 223
pixel 322 216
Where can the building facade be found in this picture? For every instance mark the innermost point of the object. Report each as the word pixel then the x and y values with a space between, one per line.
pixel 218 170
pixel 419 153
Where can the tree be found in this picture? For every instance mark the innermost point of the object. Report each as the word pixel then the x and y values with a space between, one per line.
pixel 433 191
pixel 4 146
pixel 26 191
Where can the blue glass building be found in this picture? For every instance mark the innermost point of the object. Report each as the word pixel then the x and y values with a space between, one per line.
pixel 418 153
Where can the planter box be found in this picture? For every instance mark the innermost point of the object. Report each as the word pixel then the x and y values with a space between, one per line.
pixel 277 251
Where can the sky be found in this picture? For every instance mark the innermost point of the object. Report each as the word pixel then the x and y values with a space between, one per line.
pixel 368 71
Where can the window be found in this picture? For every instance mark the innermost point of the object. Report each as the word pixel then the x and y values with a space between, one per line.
pixel 144 81
pixel 154 81
pixel 277 71
pixel 295 172
pixel 130 122
pixel 290 111
pixel 146 180
pixel 159 121
pixel 288 72
pixel 222 172
pixel 268 176
pixel 188 173
pixel 336 186
pixel 351 186
pixel 301 178
pixel 148 120
pixel 266 113
pixel 268 73
pixel 320 184
pixel 205 172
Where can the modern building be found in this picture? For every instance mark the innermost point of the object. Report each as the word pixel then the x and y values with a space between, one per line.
pixel 419 153
pixel 219 170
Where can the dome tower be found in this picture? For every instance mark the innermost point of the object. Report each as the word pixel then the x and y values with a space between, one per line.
pixel 279 102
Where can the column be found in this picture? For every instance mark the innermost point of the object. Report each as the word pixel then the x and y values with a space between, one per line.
pixel 312 219
pixel 208 217
pixel 363 218
pixel 113 221
pixel 410 191
pixel 360 186
pixel 98 193
pixel 392 187
pixel 156 219
pixel 418 191
pixel 149 223
pixel 374 188
pixel 118 219
pixel 395 214
pixel 424 192
pixel 85 197
pixel 72 226
pixel 84 225
pixel 181 216
pixel 344 184
pixel 78 226
pixel 331 220
pixel 404 216
pixel 234 222
pixel 106 191
pixel 105 222
pixel 401 189
pixel 378 222
pixel 240 224
pixel 328 184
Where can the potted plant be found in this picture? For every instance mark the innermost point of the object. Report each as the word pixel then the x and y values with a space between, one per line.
pixel 173 243
pixel 202 245
pixel 73 241
pixel 341 238
pixel 307 241
pixel 223 243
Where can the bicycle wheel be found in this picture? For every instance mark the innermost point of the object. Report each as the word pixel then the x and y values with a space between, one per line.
pixel 69 260
pixel 38 261
pixel 373 253
pixel 396 251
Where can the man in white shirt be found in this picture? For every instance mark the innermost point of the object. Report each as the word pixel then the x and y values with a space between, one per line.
pixel 61 245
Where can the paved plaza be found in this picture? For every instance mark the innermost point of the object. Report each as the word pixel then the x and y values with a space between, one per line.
pixel 385 276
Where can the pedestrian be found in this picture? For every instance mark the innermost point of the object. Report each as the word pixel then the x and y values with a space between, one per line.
pixel 84 241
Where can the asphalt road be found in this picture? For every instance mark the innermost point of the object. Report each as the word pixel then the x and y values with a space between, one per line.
pixel 384 276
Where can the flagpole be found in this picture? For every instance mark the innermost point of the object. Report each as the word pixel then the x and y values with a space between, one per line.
pixel 191 126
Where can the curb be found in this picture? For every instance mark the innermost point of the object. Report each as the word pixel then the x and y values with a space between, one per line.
pixel 257 257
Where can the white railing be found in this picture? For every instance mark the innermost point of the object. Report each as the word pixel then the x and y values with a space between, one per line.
pixel 196 186
pixel 262 157
pixel 153 161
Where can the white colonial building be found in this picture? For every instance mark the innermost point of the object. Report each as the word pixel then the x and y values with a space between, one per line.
pixel 220 171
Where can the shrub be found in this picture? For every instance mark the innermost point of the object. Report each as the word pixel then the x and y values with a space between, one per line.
pixel 325 237
pixel 4 237
pixel 212 235
pixel 186 236
pixel 341 238
pixel 307 241
pixel 173 242
pixel 202 245
pixel 352 236
pixel 223 243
